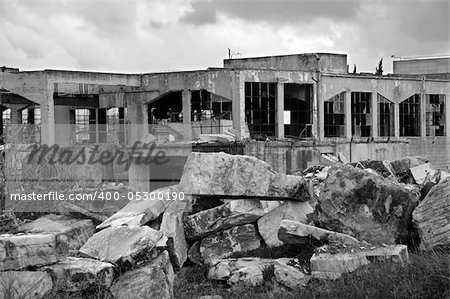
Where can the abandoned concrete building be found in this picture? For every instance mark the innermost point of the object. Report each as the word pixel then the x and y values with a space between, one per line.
pixel 306 105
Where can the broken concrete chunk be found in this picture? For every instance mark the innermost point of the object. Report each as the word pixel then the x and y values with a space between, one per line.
pixel 432 216
pixel 76 274
pixel 393 253
pixel 402 165
pixel 69 209
pixel 23 250
pixel 139 212
pixel 225 243
pixel 289 275
pixel 269 224
pixel 172 226
pixel 332 266
pixel 291 232
pixel 247 270
pixel 153 280
pixel 120 245
pixel 194 253
pixel 422 172
pixel 232 213
pixel 25 284
pixel 236 176
pixel 365 206
pixel 72 231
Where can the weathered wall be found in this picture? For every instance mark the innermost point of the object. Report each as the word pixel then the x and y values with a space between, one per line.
pixel 422 66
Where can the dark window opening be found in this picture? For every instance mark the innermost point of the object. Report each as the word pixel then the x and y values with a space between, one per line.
pixel 334 116
pixel 167 108
pixel 298 110
pixel 435 115
pixel 210 113
pixel 361 114
pixel 260 99
pixel 385 116
pixel 410 116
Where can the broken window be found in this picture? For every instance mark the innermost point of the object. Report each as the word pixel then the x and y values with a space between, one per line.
pixel 334 116
pixel 6 117
pixel 410 116
pixel 90 126
pixel 298 110
pixel 210 113
pixel 166 108
pixel 361 114
pixel 435 115
pixel 31 120
pixel 385 116
pixel 260 99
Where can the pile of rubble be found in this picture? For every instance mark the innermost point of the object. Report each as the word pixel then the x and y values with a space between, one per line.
pixel 234 208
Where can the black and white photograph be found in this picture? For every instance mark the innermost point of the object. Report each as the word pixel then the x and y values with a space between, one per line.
pixel 215 149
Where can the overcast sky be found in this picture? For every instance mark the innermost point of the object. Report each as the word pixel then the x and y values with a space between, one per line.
pixel 158 35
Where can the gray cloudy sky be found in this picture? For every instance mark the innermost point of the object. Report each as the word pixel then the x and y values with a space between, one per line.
pixel 155 35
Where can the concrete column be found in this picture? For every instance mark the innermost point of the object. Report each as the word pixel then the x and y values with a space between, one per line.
pixel 48 117
pixel 15 117
pixel 447 114
pixel 238 98
pixel 317 117
pixel 186 97
pixel 396 119
pixel 280 110
pixel 423 131
pixel 348 114
pixel 374 114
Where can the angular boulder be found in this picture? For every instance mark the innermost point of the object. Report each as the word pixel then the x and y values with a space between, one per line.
pixel 76 211
pixel 74 232
pixel 153 280
pixel 291 232
pixel 248 270
pixel 432 216
pixel 77 274
pixel 365 206
pixel 24 250
pixel 194 254
pixel 269 224
pixel 225 243
pixel 120 245
pixel 25 284
pixel 232 213
pixel 236 176
pixel 139 212
pixel 172 226
pixel 289 275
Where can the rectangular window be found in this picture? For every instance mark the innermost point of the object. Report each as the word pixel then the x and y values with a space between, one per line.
pixel 385 116
pixel 410 116
pixel 435 114
pixel 334 116
pixel 298 110
pixel 260 99
pixel 361 114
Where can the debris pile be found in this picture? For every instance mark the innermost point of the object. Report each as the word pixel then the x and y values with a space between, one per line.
pixel 241 220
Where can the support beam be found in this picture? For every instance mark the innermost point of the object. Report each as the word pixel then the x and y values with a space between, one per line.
pixel 280 110
pixel 374 114
pixel 397 118
pixel 447 114
pixel 317 128
pixel 186 98
pixel 423 109
pixel 348 114
pixel 238 102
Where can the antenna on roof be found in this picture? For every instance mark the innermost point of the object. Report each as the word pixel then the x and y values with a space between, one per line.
pixel 231 54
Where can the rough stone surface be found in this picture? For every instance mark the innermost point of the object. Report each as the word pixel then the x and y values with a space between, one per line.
pixel 432 216
pixel 232 213
pixel 172 226
pixel 76 274
pixel 74 232
pixel 247 270
pixel 289 275
pixel 237 176
pixel 139 212
pixel 402 165
pixel 24 284
pixel 154 280
pixel 120 245
pixel 332 266
pixel 69 209
pixel 291 232
pixel 23 250
pixel 365 206
pixel 224 243
pixel 269 224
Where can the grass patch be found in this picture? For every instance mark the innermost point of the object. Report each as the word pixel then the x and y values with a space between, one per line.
pixel 427 276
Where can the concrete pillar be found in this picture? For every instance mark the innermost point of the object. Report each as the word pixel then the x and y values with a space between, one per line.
pixel 186 97
pixel 48 117
pixel 396 119
pixel 374 114
pixel 423 131
pixel 348 114
pixel 238 100
pixel 16 118
pixel 280 110
pixel 447 114
pixel 317 117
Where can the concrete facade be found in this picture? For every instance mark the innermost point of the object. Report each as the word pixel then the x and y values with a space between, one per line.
pixel 293 95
